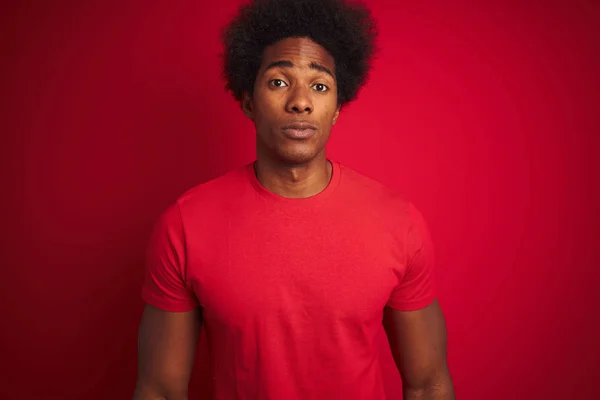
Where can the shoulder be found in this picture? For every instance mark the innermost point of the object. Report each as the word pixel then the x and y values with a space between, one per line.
pixel 390 209
pixel 381 203
pixel 373 195
pixel 207 200
pixel 216 191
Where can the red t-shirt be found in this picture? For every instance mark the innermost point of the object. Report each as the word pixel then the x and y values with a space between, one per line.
pixel 292 290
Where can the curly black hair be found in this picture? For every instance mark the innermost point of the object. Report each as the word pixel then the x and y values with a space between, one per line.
pixel 345 29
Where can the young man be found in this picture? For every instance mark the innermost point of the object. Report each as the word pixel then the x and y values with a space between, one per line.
pixel 293 263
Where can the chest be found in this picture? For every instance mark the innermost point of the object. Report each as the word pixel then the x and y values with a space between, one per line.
pixel 252 270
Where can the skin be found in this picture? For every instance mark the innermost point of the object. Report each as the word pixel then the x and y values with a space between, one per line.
pixel 296 81
pixel 166 351
pixel 418 343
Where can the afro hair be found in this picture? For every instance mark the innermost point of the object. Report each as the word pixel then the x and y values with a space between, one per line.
pixel 345 29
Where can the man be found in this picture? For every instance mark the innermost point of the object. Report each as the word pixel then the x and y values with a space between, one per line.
pixel 293 263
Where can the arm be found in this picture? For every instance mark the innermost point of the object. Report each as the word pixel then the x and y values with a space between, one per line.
pixel 166 352
pixel 170 326
pixel 418 343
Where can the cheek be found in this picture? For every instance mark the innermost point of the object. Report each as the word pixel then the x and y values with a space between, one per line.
pixel 329 114
pixel 329 106
pixel 261 112
pixel 266 107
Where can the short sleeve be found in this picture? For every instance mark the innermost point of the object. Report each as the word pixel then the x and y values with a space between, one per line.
pixel 415 289
pixel 164 284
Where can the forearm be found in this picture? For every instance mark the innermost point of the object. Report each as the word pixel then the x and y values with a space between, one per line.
pixel 439 389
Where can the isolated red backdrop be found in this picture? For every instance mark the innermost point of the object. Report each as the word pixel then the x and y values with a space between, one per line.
pixel 486 116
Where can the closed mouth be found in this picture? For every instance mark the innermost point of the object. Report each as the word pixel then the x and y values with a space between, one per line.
pixel 299 126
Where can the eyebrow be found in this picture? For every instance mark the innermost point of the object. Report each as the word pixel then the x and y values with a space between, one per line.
pixel 289 64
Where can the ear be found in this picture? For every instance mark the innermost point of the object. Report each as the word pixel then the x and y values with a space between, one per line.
pixel 247 105
pixel 336 115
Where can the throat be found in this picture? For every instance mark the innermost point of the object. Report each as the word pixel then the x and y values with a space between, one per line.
pixel 298 181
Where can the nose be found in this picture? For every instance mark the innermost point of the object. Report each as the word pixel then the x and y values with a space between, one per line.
pixel 299 101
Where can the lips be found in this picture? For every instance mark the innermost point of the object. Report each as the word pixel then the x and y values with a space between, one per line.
pixel 299 125
pixel 299 130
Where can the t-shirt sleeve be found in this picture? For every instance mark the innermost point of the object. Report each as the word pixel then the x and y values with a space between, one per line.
pixel 415 289
pixel 164 284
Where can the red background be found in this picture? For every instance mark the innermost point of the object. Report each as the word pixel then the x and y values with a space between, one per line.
pixel 486 116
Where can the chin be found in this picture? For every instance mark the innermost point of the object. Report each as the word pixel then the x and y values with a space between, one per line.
pixel 285 151
pixel 297 156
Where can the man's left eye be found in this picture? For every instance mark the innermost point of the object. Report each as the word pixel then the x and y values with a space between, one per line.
pixel 320 87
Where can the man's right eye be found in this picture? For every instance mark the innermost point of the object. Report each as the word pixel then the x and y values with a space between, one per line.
pixel 278 83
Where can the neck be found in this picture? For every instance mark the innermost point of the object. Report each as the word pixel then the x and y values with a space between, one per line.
pixel 294 181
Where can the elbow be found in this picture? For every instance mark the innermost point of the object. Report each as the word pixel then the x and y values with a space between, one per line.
pixel 436 386
pixel 152 393
pixel 155 396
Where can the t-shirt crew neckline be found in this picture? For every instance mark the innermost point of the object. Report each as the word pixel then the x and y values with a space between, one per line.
pixel 288 204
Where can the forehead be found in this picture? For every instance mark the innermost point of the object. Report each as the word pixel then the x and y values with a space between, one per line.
pixel 300 51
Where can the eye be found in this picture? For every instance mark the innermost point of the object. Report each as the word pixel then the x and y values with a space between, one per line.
pixel 319 87
pixel 277 83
